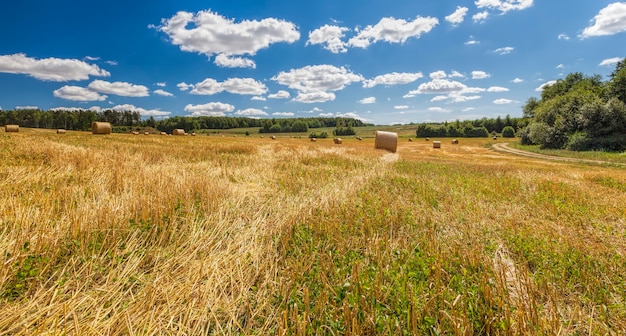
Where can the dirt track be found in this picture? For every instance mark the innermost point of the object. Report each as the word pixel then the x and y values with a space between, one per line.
pixel 504 147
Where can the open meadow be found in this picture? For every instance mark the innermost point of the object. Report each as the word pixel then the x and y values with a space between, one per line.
pixel 180 235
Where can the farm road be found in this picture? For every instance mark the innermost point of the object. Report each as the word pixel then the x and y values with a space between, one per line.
pixel 504 147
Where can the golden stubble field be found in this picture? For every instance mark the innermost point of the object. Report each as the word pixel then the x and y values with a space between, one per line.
pixel 165 235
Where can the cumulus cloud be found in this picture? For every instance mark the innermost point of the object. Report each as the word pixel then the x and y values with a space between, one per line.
pixel 242 86
pixel 368 100
pixel 283 114
pixel 504 101
pixel 30 107
pixel 119 88
pixel 393 78
pixel 250 112
pixel 563 37
pixel 216 109
pixel 393 30
pixel 455 74
pixel 281 94
pixel 209 33
pixel 163 93
pixel 467 109
pixel 438 74
pixel 161 84
pixel 50 69
pixel 401 107
pixel 480 17
pixel 611 61
pixel 504 5
pixel 542 86
pixel 472 41
pixel 517 80
pixel 330 37
pixel 314 82
pixel 455 92
pixel 609 21
pixel 260 98
pixel 226 61
pixel 327 115
pixel 143 112
pixel 480 75
pixel 184 86
pixel 497 89
pixel 77 93
pixel 438 109
pixel 504 51
pixel 458 16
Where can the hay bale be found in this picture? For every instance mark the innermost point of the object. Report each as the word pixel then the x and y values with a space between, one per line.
pixel 427 139
pixel 359 138
pixel 146 133
pixel 60 131
pixel 98 127
pixel 193 134
pixel 436 144
pixel 313 139
pixel 495 137
pixel 135 133
pixel 178 131
pixel 163 133
pixel 273 137
pixel 338 141
pixel 11 128
pixel 410 139
pixel 386 140
pixel 455 142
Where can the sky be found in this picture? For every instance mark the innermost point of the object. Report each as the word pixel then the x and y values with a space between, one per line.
pixel 384 62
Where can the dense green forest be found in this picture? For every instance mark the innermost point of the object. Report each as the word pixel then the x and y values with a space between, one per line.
pixel 480 128
pixel 579 113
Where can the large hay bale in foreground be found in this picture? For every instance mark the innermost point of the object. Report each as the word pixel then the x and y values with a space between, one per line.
pixel 99 127
pixel 11 128
pixel 178 131
pixel 436 144
pixel 60 131
pixel 386 140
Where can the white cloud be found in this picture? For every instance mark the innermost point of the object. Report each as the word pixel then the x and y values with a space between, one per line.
pixel 163 93
pixel 455 74
pixel 458 16
pixel 242 86
pixel 438 74
pixel 504 101
pixel 393 30
pixel 315 97
pixel 563 37
pixel 283 114
pixel 480 17
pixel 209 33
pixel 401 107
pixel 439 98
pixel 368 100
pixel 143 112
pixel 467 109
pixel 50 69
pixel 316 109
pixel 161 84
pixel 281 94
pixel 542 86
pixel 209 109
pixel 611 61
pixel 438 109
pixel 92 58
pixel 327 115
pixel 27 107
pixel 330 37
pixel 184 86
pixel 480 75
pixel 260 98
pixel 77 93
pixel 314 81
pixel 610 20
pixel 497 89
pixel 226 61
pixel 560 66
pixel 517 80
pixel 250 112
pixel 471 41
pixel 111 63
pixel 437 86
pixel 504 5
pixel 504 51
pixel 459 97
pixel 393 78
pixel 119 88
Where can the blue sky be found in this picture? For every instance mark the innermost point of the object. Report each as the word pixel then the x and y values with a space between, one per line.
pixel 384 62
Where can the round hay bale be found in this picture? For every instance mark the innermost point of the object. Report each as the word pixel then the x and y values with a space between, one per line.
pixel 146 133
pixel 359 138
pixel 193 134
pixel 163 133
pixel 60 131
pixel 313 139
pixel 11 128
pixel 427 139
pixel 273 137
pixel 436 144
pixel 386 140
pixel 455 142
pixel 338 141
pixel 178 131
pixel 99 127
pixel 410 139
pixel 135 133
pixel 495 137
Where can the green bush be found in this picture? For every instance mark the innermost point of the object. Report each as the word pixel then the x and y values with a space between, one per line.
pixel 508 132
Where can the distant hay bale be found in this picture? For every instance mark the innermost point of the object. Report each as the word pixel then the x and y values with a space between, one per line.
pixel 98 127
pixel 338 141
pixel 427 139
pixel 11 128
pixel 495 137
pixel 410 139
pixel 455 142
pixel 193 134
pixel 313 139
pixel 146 133
pixel 135 133
pixel 163 133
pixel 436 144
pixel 359 138
pixel 60 131
pixel 386 140
pixel 178 131
pixel 273 137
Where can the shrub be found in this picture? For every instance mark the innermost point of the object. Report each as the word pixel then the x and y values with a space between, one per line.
pixel 508 132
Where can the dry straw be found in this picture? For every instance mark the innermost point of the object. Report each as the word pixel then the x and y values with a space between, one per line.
pixel 436 144
pixel 338 141
pixel 60 131
pixel 178 131
pixel 98 127
pixel 386 140
pixel 11 128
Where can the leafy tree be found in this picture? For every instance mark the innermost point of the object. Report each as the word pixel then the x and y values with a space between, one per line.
pixel 617 85
pixel 508 132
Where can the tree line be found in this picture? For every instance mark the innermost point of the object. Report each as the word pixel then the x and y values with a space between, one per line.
pixel 479 128
pixel 579 113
